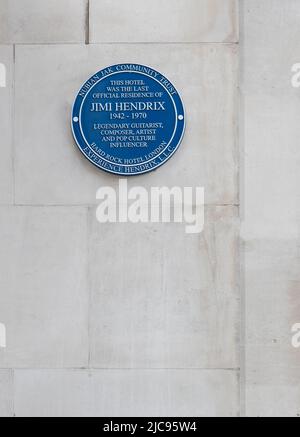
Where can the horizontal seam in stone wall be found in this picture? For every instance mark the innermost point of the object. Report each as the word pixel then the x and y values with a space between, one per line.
pixel 183 369
pixel 120 43
pixel 92 205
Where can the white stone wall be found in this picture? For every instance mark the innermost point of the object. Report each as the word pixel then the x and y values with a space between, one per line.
pixel 144 319
pixel 117 319
pixel 270 209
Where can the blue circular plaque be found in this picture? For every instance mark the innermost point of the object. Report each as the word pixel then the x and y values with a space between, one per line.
pixel 128 119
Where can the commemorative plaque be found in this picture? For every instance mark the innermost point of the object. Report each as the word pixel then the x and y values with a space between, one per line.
pixel 128 119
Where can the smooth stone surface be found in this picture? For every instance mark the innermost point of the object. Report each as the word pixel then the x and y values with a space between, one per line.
pixel 33 21
pixel 269 48
pixel 162 298
pixel 43 291
pixel 270 205
pixel 6 176
pixel 50 169
pixel 273 369
pixel 163 21
pixel 272 190
pixel 270 322
pixel 6 393
pixel 272 390
pixel 126 393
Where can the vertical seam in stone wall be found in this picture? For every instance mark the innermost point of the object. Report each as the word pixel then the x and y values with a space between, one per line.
pixel 240 252
pixel 13 392
pixel 13 111
pixel 237 179
pixel 241 125
pixel 88 283
pixel 87 22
